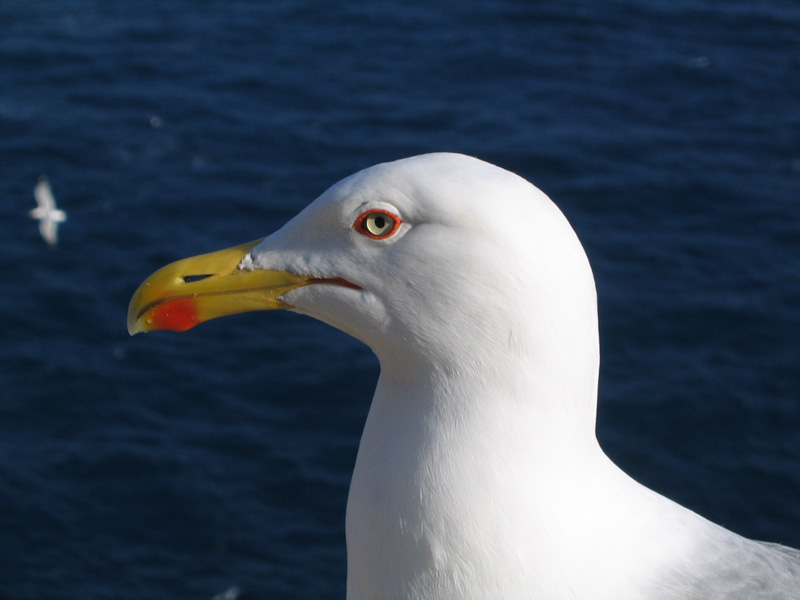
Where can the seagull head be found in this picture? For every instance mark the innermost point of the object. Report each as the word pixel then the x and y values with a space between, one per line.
pixel 439 259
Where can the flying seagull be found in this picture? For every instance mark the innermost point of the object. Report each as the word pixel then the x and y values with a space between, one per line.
pixel 478 474
pixel 46 212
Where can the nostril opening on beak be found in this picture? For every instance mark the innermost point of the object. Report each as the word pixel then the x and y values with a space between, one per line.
pixel 193 278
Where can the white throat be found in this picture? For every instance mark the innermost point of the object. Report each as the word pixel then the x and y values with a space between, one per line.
pixel 443 501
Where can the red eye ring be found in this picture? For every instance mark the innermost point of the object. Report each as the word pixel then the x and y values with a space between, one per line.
pixel 377 224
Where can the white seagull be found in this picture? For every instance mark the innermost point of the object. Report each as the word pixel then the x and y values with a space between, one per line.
pixel 478 475
pixel 46 212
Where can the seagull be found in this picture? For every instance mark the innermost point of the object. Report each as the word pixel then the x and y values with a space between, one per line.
pixel 478 474
pixel 46 212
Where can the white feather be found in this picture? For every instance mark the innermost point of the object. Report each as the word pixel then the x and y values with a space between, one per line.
pixel 479 474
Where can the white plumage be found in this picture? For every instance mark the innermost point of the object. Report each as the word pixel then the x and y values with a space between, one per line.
pixel 478 475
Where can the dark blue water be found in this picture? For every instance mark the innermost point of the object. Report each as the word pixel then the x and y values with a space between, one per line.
pixel 182 466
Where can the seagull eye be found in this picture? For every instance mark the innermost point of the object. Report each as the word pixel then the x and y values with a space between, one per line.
pixel 377 224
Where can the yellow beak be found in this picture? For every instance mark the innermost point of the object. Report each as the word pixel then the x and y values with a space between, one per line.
pixel 190 291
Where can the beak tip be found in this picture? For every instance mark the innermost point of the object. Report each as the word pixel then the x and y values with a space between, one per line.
pixel 135 326
pixel 134 321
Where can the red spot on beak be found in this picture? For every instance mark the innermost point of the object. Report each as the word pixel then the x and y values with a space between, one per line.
pixel 176 315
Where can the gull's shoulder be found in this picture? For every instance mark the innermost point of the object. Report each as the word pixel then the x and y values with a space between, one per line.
pixel 731 567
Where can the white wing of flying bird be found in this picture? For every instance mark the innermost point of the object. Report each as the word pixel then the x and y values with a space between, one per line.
pixel 46 212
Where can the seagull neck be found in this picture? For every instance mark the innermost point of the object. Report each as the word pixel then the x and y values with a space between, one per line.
pixel 554 400
pixel 455 466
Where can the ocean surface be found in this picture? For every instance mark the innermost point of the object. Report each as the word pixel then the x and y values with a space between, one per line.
pixel 216 463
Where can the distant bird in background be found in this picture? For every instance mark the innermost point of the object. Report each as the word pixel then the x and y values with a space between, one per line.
pixel 47 213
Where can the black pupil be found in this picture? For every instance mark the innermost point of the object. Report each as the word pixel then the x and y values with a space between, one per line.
pixel 380 222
